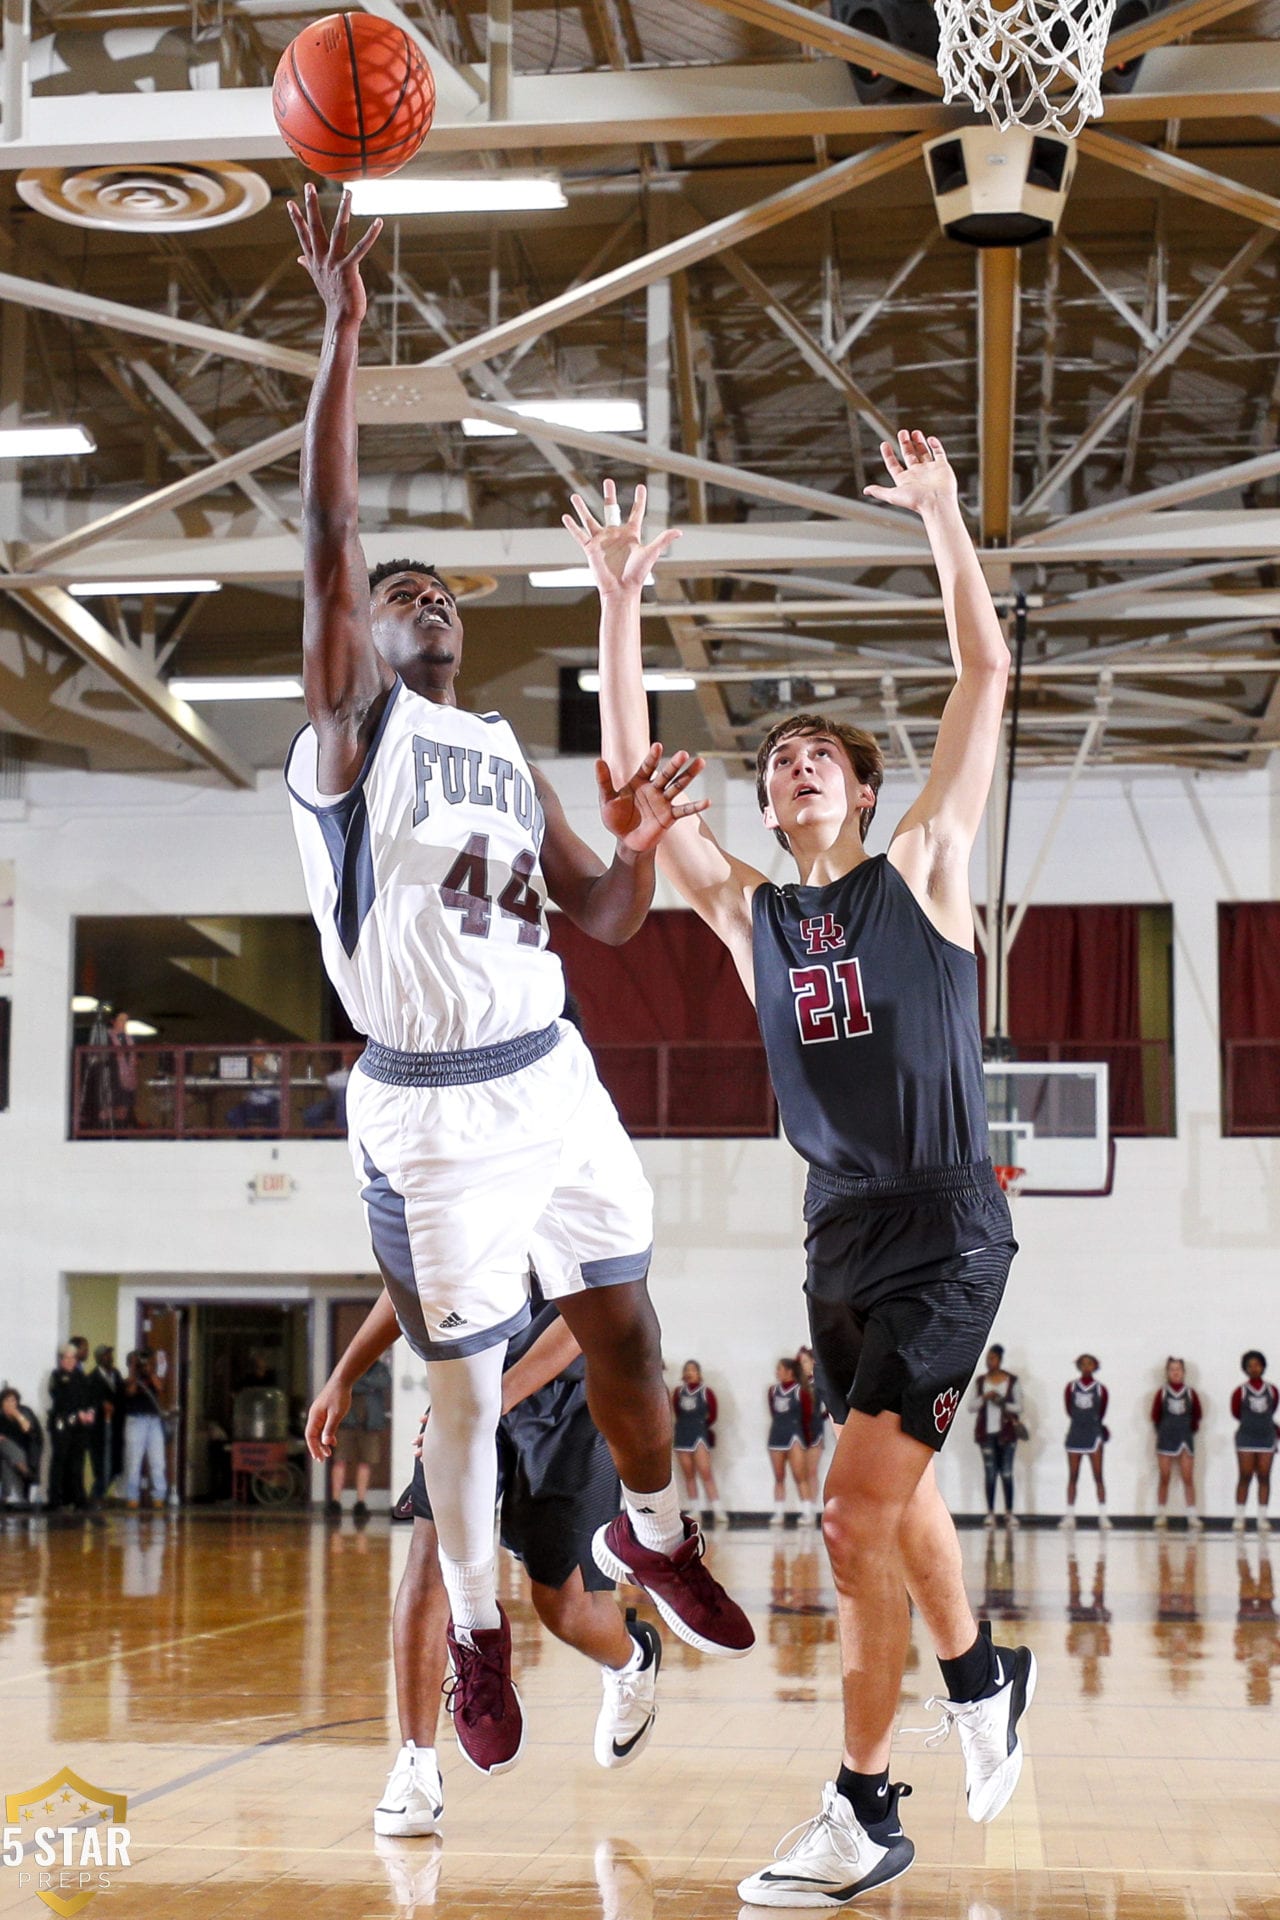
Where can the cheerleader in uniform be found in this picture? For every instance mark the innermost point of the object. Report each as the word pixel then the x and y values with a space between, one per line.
pixel 786 1438
pixel 694 1405
pixel 1253 1406
pixel 1175 1415
pixel 1086 1403
pixel 813 1420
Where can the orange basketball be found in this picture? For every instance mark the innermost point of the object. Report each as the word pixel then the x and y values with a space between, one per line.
pixel 353 97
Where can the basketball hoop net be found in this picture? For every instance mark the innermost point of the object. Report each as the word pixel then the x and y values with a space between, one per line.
pixel 1011 1179
pixel 1028 63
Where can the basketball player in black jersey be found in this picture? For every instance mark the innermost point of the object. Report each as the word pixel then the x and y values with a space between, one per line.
pixel 865 982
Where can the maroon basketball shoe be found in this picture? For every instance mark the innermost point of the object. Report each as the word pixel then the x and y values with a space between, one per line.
pixel 693 1604
pixel 487 1716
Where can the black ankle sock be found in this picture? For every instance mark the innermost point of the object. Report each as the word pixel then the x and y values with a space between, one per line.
pixel 867 1794
pixel 973 1674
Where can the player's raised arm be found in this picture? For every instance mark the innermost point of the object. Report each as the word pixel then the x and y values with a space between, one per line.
pixel 948 812
pixel 377 1332
pixel 712 882
pixel 345 682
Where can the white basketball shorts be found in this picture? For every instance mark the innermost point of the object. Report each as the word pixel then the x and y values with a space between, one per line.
pixel 462 1183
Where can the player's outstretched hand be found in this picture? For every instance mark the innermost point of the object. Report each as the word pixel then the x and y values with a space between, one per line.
pixel 921 473
pixel 639 813
pixel 332 264
pixel 619 557
pixel 328 1411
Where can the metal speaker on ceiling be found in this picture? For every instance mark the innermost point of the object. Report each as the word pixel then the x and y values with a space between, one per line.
pixel 994 189
pixel 181 198
pixel 1129 13
pixel 910 25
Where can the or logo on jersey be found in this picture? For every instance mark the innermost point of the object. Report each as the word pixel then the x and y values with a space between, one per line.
pixel 451 1322
pixel 944 1409
pixel 822 934
pixel 466 774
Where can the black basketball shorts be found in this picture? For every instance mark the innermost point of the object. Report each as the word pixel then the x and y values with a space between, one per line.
pixel 549 1528
pixel 905 1277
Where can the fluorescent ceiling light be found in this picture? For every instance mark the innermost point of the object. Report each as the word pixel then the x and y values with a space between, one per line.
pixel 655 681
pixel 140 1030
pixel 458 193
pixel 592 416
pixel 563 577
pixel 570 577
pixel 265 687
pixel 83 1003
pixel 32 443
pixel 122 589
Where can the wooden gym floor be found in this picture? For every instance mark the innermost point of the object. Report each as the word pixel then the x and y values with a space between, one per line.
pixel 233 1677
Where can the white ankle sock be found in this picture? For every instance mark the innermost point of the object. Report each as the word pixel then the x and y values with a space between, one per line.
pixel 473 1593
pixel 655 1518
pixel 634 1663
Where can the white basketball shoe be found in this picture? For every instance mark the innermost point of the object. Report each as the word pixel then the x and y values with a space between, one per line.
pixel 413 1803
pixel 630 1705
pixel 834 1859
pixel 988 1731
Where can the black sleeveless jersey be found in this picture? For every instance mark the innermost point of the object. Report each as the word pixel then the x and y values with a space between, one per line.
pixel 870 1024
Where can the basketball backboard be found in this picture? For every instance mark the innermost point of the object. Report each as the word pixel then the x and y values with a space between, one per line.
pixel 1050 1117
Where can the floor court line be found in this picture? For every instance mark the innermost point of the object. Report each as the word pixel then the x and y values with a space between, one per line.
pixel 153 1646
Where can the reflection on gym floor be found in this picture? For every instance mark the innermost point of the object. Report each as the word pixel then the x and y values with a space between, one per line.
pixel 232 1675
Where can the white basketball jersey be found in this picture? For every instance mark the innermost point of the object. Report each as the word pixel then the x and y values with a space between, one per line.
pixel 425 880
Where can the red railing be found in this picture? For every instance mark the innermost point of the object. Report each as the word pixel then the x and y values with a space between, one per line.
pixel 1139 1079
pixel 663 1090
pixel 210 1093
pixel 1250 1087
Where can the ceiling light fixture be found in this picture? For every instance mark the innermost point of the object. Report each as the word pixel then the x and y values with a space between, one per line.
pixel 591 416
pixel 125 589
pixel 140 1030
pixel 458 193
pixel 557 577
pixel 38 443
pixel 265 687
pixel 655 681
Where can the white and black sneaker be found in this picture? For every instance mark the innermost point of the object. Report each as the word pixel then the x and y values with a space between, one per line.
pixel 630 1704
pixel 988 1730
pixel 413 1803
pixel 834 1859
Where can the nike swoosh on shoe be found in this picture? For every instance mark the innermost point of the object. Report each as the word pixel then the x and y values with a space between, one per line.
pixel 620 1751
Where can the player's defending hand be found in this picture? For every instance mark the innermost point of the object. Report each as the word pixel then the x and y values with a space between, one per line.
pixel 332 264
pixel 921 473
pixel 328 1411
pixel 638 814
pixel 619 557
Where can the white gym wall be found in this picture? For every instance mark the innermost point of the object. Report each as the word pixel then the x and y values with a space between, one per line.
pixel 1181 1258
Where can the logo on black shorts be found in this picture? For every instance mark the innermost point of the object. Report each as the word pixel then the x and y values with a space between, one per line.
pixel 944 1409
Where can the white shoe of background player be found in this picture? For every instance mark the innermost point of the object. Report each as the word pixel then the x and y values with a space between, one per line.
pixel 630 1705
pixel 413 1803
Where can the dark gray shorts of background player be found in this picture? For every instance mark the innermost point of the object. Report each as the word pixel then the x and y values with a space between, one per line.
pixel 560 1486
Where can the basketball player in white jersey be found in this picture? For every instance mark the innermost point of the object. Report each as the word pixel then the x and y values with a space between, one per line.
pixel 477 1123
pixel 864 979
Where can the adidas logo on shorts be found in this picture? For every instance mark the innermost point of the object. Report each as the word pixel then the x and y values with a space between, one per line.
pixel 448 1324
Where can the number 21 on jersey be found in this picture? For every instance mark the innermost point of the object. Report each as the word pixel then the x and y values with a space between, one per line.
pixel 830 1004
